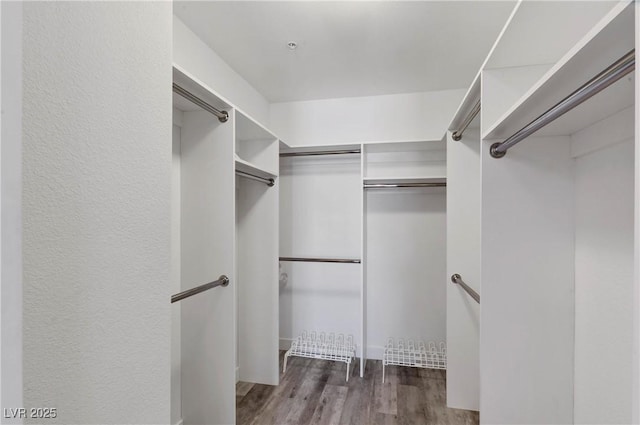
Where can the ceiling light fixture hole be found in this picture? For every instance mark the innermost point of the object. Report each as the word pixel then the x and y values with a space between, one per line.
pixel 292 45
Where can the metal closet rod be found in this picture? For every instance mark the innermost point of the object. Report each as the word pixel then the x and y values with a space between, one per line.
pixel 322 260
pixel 316 153
pixel 268 182
pixel 394 185
pixel 613 73
pixel 457 135
pixel 457 279
pixel 222 281
pixel 223 116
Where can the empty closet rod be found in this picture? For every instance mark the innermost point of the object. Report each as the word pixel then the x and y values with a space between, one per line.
pixel 222 281
pixel 613 73
pixel 322 260
pixel 223 116
pixel 268 182
pixel 394 185
pixel 457 279
pixel 315 153
pixel 457 135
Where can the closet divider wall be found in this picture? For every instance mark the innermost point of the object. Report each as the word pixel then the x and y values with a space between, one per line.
pixel 556 222
pixel 405 249
pixel 229 332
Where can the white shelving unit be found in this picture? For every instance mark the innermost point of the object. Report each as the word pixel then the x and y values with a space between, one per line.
pixel 412 354
pixel 323 346
pixel 397 215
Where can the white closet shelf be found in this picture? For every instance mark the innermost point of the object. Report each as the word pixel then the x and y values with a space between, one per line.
pixel 285 149
pixel 197 88
pixel 248 167
pixel 609 40
pixel 248 129
pixel 404 180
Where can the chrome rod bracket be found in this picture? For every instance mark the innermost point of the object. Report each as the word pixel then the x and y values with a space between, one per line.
pixel 456 136
pixel 457 279
pixel 493 150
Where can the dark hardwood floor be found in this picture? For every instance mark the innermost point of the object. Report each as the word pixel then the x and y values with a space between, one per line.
pixel 315 392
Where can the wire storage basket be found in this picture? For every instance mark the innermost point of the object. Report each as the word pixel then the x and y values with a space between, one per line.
pixel 324 346
pixel 421 355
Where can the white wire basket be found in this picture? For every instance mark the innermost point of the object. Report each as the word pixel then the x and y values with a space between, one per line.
pixel 426 356
pixel 323 346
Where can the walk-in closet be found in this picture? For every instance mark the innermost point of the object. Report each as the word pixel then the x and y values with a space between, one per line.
pixel 457 256
pixel 320 212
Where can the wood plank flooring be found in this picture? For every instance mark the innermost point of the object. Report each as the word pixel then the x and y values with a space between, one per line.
pixel 315 392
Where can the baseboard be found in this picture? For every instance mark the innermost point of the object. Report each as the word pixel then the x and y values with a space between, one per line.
pixel 237 374
pixel 375 352
pixel 285 343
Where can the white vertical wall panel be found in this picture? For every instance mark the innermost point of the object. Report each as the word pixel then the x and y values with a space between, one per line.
pixel 257 289
pixel 176 346
pixel 11 208
pixel 406 266
pixel 207 249
pixel 635 368
pixel 96 210
pixel 463 257
pixel 604 285
pixel 320 216
pixel 527 314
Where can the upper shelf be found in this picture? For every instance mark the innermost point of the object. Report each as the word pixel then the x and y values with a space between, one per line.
pixel 197 88
pixel 404 180
pixel 607 41
pixel 248 129
pixel 250 168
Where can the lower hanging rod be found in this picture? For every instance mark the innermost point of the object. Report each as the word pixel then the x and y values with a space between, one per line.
pixel 222 281
pixel 613 73
pixel 223 116
pixel 457 135
pixel 269 182
pixel 316 153
pixel 322 260
pixel 394 185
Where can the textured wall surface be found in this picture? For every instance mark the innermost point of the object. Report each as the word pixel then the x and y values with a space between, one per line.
pixel 97 179
pixel 11 229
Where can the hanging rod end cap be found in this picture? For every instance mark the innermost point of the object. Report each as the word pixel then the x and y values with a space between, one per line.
pixel 495 152
pixel 224 117
pixel 225 280
pixel 455 277
pixel 271 183
pixel 455 136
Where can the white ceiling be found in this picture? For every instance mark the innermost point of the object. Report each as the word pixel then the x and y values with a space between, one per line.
pixel 347 48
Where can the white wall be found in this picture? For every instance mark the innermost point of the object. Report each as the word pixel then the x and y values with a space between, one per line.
pixel 11 207
pixel 176 381
pixel 398 117
pixel 527 266
pixel 96 210
pixel 604 276
pixel 194 56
